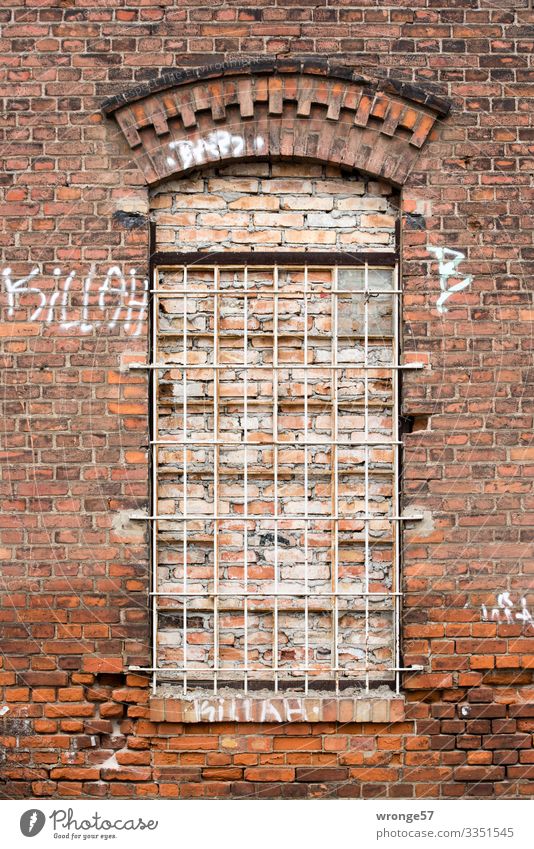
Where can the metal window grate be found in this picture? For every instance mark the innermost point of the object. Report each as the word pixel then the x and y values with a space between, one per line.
pixel 275 464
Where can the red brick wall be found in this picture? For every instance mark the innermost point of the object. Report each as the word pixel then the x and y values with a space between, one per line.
pixel 74 609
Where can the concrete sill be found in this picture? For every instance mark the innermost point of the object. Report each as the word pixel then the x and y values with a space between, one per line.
pixel 277 709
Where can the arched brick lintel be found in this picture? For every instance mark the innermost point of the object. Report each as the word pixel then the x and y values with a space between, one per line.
pixel 314 112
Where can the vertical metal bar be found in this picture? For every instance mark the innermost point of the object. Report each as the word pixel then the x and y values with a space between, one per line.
pixel 184 460
pixel 306 584
pixel 275 474
pixel 366 482
pixel 245 473
pixel 154 482
pixel 216 460
pixel 335 479
pixel 396 472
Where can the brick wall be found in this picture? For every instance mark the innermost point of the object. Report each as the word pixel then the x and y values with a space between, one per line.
pixel 263 206
pixel 74 566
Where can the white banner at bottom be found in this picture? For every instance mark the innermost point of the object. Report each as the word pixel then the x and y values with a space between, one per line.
pixel 269 824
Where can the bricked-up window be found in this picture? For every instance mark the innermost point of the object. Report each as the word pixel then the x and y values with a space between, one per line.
pixel 275 527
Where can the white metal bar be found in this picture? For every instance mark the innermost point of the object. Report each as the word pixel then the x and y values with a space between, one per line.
pixel 177 366
pixel 260 293
pixel 264 671
pixel 396 472
pixel 317 517
pixel 264 594
pixel 154 480
pixel 245 471
pixel 306 493
pixel 271 442
pixel 366 468
pixel 275 469
pixel 262 334
pixel 184 464
pixel 215 481
pixel 287 403
pixel 335 493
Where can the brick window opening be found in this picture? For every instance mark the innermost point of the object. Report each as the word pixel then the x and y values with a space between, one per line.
pixel 275 466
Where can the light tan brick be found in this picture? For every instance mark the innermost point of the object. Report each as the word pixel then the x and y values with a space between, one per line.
pixel 287 219
pixel 361 203
pixel 292 187
pixel 311 237
pixel 255 202
pixel 303 202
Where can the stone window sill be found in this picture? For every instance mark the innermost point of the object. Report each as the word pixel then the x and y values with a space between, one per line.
pixel 277 709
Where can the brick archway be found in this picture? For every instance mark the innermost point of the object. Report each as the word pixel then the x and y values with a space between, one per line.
pixel 304 110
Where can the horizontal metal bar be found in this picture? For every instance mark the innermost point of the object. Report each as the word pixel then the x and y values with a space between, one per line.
pixel 274 442
pixel 274 595
pixel 287 367
pixel 259 335
pixel 270 259
pixel 278 518
pixel 266 472
pixel 284 405
pixel 267 671
pixel 415 668
pixel 262 293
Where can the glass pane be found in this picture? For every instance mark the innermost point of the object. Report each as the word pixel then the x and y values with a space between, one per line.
pixel 351 310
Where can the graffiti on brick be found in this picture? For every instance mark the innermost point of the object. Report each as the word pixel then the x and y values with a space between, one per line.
pixel 215 145
pixel 101 303
pixel 448 262
pixel 244 710
pixel 505 610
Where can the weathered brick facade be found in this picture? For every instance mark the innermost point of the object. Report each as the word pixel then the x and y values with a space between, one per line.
pixel 350 92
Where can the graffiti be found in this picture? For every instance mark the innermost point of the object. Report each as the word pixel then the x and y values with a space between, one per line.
pixel 117 298
pixel 215 145
pixel 506 611
pixel 250 710
pixel 448 262
pixel 19 286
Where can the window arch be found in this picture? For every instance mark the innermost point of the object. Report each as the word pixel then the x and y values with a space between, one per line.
pixel 277 109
